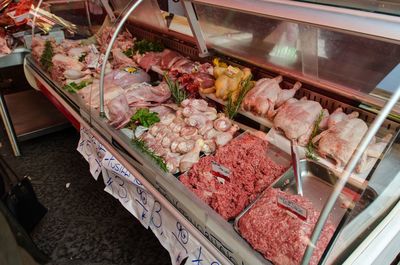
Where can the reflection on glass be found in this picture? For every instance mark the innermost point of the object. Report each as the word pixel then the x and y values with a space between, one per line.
pixel 321 54
pixel 391 7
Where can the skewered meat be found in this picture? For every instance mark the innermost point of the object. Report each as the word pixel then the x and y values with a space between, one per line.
pixel 296 119
pixel 340 141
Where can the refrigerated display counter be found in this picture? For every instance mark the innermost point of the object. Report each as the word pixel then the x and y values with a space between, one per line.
pixel 206 124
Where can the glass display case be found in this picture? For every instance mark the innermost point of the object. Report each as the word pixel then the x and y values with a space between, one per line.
pixel 245 91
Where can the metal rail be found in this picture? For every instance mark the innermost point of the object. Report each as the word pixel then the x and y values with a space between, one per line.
pixel 108 51
pixel 346 175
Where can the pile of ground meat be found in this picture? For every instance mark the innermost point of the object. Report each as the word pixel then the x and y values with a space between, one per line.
pixel 280 235
pixel 248 171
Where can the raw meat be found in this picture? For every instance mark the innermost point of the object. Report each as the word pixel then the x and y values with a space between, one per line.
pixel 338 115
pixel 61 63
pixel 118 111
pixel 124 40
pixel 266 95
pixel 280 235
pixel 296 119
pixel 148 60
pixel 340 141
pixel 144 94
pixel 178 138
pixel 126 79
pixel 248 171
pixel 4 49
pixel 120 59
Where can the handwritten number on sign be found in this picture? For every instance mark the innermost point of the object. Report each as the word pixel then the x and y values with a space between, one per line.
pixel 156 217
pixel 142 194
pixel 122 193
pixel 198 260
pixel 183 236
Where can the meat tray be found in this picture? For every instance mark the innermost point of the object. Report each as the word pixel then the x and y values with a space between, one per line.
pixel 318 183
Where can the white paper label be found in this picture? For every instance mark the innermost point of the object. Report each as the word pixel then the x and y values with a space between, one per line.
pixel 135 199
pixel 93 49
pixel 220 172
pixel 92 151
pixel 200 256
pixel 292 207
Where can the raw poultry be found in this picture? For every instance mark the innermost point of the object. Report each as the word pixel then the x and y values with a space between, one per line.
pixel 340 141
pixel 268 95
pixel 180 137
pixel 228 80
pixel 296 119
pixel 233 177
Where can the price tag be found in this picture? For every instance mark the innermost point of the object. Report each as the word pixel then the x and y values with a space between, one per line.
pixel 200 256
pixel 109 162
pixel 135 199
pixel 92 151
pixel 292 207
pixel 220 172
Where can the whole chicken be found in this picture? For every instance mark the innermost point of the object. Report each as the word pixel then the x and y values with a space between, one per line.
pixel 228 81
pixel 296 119
pixel 266 95
pixel 340 141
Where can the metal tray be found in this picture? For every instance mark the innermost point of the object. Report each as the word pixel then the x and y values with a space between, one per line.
pixel 318 183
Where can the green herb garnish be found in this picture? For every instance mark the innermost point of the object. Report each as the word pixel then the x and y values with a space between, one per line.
pixel 143 147
pixel 128 52
pixel 144 46
pixel 178 94
pixel 83 56
pixel 47 55
pixel 74 87
pixel 310 147
pixel 144 118
pixel 232 107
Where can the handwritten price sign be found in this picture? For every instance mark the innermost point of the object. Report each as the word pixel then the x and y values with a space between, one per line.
pixel 134 198
pixel 92 151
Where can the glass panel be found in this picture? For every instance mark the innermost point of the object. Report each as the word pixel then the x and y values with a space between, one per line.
pixel 391 7
pixel 318 53
pixel 147 9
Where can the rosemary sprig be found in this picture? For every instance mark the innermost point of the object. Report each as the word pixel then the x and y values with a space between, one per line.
pixel 47 55
pixel 310 147
pixel 178 94
pixel 143 147
pixel 74 87
pixel 232 107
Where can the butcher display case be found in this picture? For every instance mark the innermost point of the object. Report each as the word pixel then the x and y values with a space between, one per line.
pixel 341 67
